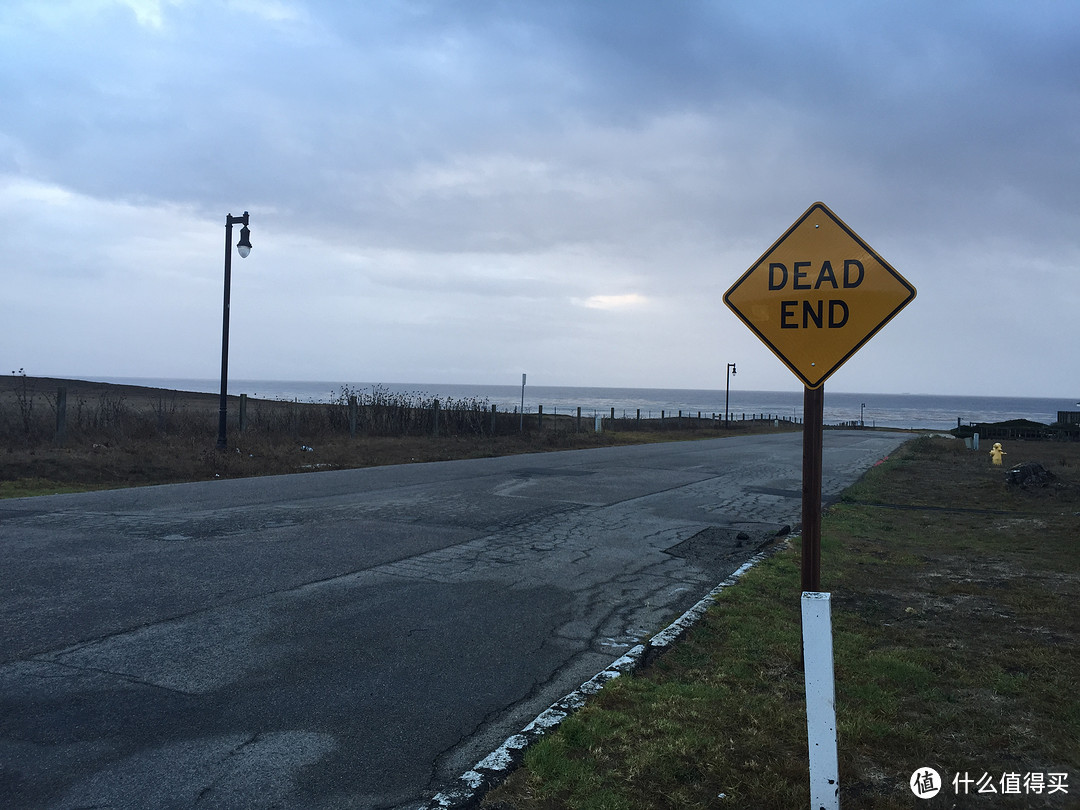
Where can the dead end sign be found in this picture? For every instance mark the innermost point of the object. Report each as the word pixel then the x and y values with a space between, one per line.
pixel 818 295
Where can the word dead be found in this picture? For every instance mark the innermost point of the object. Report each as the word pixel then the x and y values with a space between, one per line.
pixel 821 313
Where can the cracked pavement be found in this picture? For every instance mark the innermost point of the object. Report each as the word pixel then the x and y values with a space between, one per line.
pixel 356 638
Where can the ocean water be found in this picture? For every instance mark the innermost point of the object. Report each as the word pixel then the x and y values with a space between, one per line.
pixel 876 410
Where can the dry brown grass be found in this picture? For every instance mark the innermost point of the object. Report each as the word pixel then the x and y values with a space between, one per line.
pixel 120 436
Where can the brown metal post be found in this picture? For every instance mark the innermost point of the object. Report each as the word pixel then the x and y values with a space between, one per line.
pixel 813 417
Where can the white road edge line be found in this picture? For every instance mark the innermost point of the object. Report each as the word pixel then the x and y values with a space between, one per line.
pixel 496 766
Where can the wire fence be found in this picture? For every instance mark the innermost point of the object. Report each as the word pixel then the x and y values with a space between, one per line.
pixel 32 415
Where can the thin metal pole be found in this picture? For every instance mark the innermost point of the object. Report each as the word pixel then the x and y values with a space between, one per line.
pixel 813 416
pixel 223 403
pixel 727 395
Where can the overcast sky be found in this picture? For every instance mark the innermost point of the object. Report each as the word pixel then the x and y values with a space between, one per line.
pixel 462 191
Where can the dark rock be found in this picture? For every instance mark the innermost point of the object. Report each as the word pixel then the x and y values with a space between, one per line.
pixel 1028 474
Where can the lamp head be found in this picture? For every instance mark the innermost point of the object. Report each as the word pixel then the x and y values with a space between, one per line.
pixel 243 247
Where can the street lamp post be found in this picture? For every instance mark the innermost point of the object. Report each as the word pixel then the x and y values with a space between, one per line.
pixel 243 247
pixel 727 391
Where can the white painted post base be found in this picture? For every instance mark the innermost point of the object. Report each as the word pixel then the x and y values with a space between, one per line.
pixel 820 701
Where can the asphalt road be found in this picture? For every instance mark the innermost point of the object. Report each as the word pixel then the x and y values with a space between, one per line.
pixel 355 638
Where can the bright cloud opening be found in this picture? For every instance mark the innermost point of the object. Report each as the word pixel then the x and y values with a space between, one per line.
pixel 624 301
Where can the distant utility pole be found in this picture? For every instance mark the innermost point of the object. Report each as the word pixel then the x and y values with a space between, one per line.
pixel 521 413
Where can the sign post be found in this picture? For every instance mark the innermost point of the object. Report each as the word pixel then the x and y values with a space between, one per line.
pixel 813 428
pixel 820 701
pixel 815 298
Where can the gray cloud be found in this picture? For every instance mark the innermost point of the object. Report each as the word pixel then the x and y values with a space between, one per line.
pixel 426 166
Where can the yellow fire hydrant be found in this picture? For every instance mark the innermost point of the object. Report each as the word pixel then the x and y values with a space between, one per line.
pixel 997 453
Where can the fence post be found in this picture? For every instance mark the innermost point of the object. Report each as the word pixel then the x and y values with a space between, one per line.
pixel 61 416
pixel 539 416
pixel 353 408
pixel 243 412
pixel 435 430
pixel 492 420
pixel 639 414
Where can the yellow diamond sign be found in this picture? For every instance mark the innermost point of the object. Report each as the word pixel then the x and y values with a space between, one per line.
pixel 818 294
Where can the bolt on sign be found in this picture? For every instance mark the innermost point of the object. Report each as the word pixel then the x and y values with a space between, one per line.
pixel 818 295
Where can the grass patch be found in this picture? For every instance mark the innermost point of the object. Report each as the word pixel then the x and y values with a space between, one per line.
pixel 27 487
pixel 955 639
